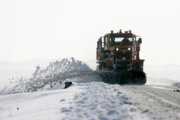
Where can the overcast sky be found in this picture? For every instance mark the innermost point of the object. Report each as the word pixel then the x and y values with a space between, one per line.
pixel 51 29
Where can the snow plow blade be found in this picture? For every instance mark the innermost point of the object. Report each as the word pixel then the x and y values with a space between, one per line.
pixel 129 77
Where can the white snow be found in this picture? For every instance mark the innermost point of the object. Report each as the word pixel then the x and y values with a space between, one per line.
pixel 163 100
pixel 82 101
pixel 87 99
pixel 44 105
pixel 159 81
pixel 54 74
pixel 161 87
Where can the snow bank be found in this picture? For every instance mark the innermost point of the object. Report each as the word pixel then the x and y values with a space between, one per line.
pixel 162 82
pixel 67 69
pixel 53 75
pixel 82 101
pixel 159 81
pixel 44 105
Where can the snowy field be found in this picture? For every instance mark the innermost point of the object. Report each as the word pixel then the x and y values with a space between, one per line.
pixel 45 105
pixel 42 97
pixel 89 101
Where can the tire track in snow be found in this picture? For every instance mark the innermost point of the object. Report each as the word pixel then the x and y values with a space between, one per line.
pixel 101 102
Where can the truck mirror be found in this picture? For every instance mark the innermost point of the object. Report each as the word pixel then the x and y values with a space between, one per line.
pixel 139 40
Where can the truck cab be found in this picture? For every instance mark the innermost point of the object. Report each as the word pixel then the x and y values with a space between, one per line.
pixel 119 52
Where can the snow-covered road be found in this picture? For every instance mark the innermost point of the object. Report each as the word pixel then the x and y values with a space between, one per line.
pixel 93 101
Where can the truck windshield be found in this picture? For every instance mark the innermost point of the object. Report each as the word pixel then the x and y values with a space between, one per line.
pixel 119 40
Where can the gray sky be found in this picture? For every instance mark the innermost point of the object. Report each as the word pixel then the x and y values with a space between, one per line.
pixel 51 29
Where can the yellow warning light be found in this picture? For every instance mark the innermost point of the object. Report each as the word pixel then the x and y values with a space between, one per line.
pixel 120 31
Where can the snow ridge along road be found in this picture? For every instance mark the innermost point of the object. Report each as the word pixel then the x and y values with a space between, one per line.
pixel 93 101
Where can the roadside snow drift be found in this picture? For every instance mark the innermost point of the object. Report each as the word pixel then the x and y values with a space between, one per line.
pixel 45 105
pixel 59 71
pixel 82 101
pixel 53 75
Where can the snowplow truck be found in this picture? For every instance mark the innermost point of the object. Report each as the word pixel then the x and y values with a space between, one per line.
pixel 118 58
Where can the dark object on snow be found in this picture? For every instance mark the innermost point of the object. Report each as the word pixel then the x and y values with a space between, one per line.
pixel 176 90
pixel 145 111
pixel 177 84
pixel 17 108
pixel 67 84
